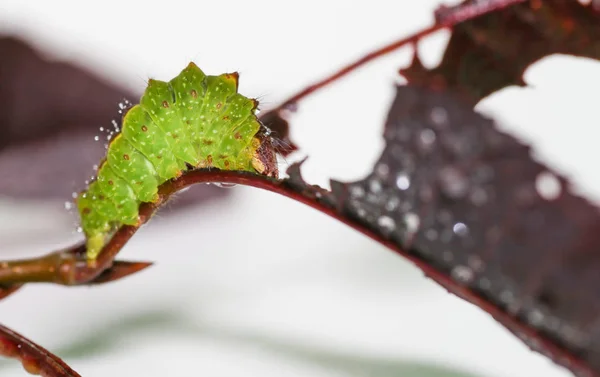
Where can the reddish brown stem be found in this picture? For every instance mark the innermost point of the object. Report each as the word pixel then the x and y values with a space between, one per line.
pixel 445 17
pixel 35 359
pixel 543 344
pixel 290 102
pixel 82 273
pixel 54 268
pixel 59 268
pixel 6 291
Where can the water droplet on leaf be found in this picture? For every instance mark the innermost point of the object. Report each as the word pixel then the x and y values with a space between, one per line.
pixel 382 170
pixel 460 229
pixel 375 186
pixel 412 222
pixel 403 181
pixel 439 116
pixel 548 186
pixel 224 184
pixel 453 182
pixel 462 274
pixel 427 138
pixel 386 223
pixel 392 203
pixel 357 191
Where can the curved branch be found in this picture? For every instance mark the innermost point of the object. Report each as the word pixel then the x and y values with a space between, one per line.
pixel 295 188
pixel 35 359
pixel 380 52
pixel 80 272
pixel 445 17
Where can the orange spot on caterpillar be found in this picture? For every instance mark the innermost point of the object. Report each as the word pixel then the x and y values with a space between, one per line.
pixel 110 182
pixel 222 156
pixel 226 163
pixel 233 76
pixel 207 141
pixel 144 128
pixel 165 104
pixel 86 211
pixel 209 159
pixel 194 93
pixel 219 105
pixel 226 117
pixel 126 157
pixel 237 136
pixel 159 156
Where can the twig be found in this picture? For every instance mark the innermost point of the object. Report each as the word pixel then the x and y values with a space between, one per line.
pixel 35 359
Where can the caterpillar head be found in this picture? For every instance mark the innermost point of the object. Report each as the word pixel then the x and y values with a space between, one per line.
pixel 264 159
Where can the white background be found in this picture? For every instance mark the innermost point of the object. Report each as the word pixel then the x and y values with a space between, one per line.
pixel 261 285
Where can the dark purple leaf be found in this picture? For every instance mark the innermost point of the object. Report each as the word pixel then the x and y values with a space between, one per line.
pixel 51 113
pixel 471 202
pixel 493 51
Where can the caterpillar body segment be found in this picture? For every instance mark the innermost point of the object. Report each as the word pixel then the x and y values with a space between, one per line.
pixel 120 193
pixel 190 89
pixel 158 102
pixel 146 137
pixel 193 120
pixel 134 167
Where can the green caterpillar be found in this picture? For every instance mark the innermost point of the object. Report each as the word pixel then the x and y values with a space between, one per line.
pixel 195 121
